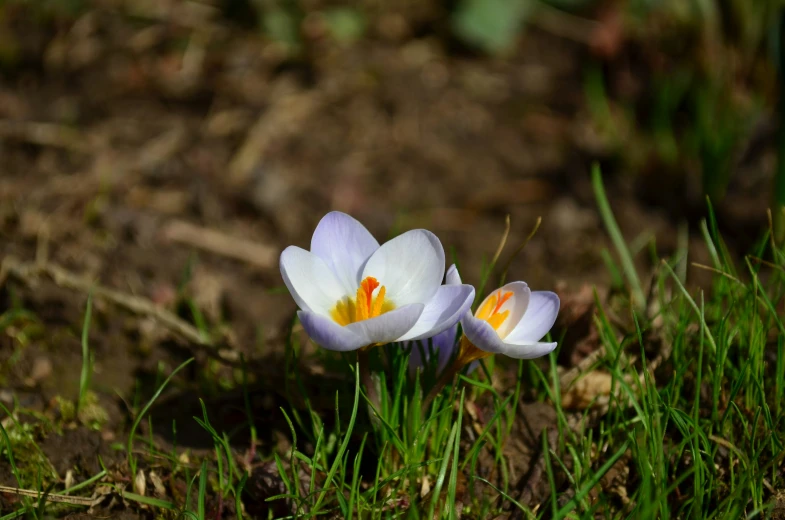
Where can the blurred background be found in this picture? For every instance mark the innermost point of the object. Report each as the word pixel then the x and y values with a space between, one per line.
pixel 170 149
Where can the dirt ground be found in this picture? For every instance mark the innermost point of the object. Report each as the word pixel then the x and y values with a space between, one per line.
pixel 170 155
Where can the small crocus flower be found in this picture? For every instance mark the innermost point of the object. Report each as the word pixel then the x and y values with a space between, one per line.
pixel 353 293
pixel 511 321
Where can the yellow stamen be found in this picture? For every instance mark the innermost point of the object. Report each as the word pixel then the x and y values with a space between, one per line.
pixel 497 319
pixel 379 302
pixel 364 306
pixel 490 309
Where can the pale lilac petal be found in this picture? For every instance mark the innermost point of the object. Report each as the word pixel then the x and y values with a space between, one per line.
pixel 410 266
pixel 443 345
pixel 538 319
pixel 443 311
pixel 452 277
pixel 328 334
pixel 345 245
pixel 482 335
pixel 390 326
pixel 416 355
pixel 529 351
pixel 311 283
pixel 445 342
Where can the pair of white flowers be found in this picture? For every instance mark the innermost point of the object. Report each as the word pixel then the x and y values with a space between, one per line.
pixel 354 293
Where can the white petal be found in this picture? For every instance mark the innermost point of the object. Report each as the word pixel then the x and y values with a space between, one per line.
pixel 311 283
pixel 482 335
pixel 328 334
pixel 390 326
pixel 410 266
pixel 538 320
pixel 345 245
pixel 443 311
pixel 517 305
pixel 529 351
pixel 452 277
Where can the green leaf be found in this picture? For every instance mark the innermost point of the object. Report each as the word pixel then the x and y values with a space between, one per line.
pixel 491 25
pixel 346 25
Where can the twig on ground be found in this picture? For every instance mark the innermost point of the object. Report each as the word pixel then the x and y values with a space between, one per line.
pixel 66 499
pixel 45 134
pixel 259 255
pixel 29 272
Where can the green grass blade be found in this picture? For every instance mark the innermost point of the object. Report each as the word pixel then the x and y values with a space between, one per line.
pixel 201 513
pixel 135 425
pixel 593 481
pixel 437 490
pixel 84 378
pixel 638 298
pixel 346 439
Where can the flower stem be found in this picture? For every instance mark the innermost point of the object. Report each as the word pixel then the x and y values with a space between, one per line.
pixel 446 378
pixel 364 359
pixel 467 354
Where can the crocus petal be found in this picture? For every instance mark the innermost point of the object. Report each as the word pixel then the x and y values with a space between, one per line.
pixel 410 266
pixel 442 311
pixel 328 334
pixel 443 345
pixel 482 335
pixel 452 277
pixel 517 306
pixel 529 350
pixel 344 244
pixel 538 320
pixel 390 326
pixel 416 356
pixel 312 284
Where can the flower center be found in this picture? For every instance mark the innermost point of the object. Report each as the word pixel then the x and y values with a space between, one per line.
pixel 364 305
pixel 489 311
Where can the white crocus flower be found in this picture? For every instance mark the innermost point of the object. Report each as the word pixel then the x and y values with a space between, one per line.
pixel 353 293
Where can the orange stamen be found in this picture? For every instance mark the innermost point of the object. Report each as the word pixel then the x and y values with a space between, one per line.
pixel 506 296
pixel 365 298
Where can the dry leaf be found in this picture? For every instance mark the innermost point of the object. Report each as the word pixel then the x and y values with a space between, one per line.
pixel 592 389
pixel 140 483
pixel 158 485
pixel 69 479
